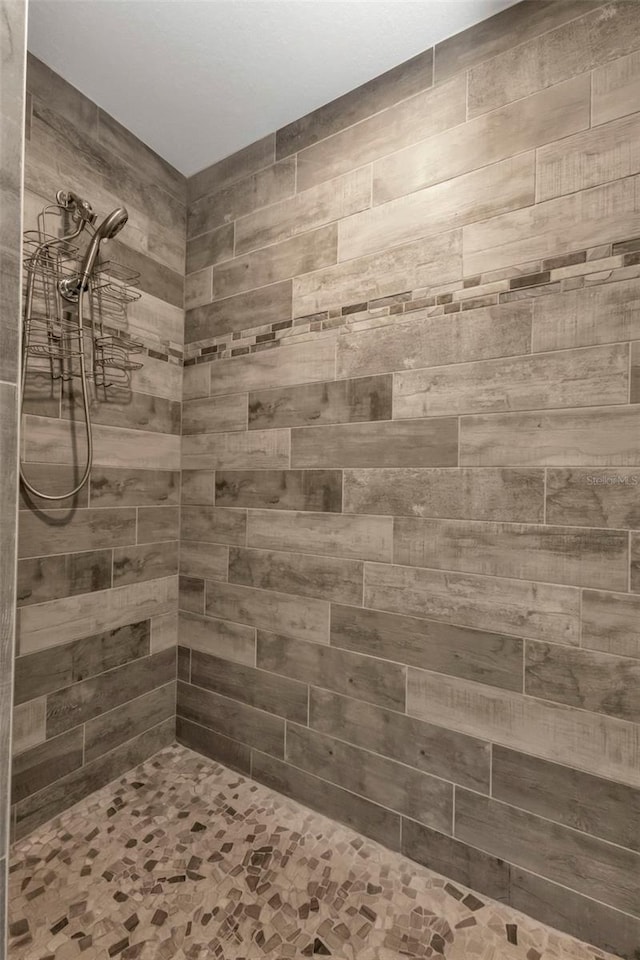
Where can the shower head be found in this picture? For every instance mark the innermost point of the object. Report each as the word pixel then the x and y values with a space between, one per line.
pixel 110 226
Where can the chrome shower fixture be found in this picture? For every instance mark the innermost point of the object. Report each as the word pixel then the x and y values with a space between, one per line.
pixel 81 211
pixel 72 287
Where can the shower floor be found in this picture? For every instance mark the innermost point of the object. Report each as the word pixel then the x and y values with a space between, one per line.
pixel 184 858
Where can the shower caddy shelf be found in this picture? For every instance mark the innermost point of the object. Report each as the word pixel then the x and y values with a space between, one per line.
pixel 61 338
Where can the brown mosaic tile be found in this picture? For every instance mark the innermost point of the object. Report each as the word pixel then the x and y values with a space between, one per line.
pixel 184 859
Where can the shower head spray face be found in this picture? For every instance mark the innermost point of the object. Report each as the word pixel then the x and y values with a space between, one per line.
pixel 109 228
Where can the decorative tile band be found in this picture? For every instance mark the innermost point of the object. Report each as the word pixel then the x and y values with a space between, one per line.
pixel 606 263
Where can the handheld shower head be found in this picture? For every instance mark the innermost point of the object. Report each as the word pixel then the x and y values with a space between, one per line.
pixel 110 226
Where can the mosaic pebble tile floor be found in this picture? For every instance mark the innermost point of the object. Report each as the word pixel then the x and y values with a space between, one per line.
pixel 184 858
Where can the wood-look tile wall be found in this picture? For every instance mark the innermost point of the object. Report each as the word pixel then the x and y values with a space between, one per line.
pixel 409 556
pixel 97 577
pixel 12 102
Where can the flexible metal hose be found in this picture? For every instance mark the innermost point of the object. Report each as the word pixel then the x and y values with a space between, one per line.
pixel 83 374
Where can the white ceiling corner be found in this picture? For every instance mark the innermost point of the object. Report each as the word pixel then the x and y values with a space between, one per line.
pixel 198 79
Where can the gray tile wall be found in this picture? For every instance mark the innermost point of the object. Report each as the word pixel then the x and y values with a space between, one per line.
pixel 410 589
pixel 95 670
pixel 12 100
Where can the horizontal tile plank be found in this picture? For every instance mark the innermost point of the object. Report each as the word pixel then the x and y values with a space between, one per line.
pixel 518 607
pixel 599 437
pixel 361 677
pixel 221 638
pixel 594 498
pixel 115 487
pixel 616 88
pixel 231 718
pixel 36 768
pixel 408 443
pixel 59 531
pixel 268 610
pixel 281 367
pixel 572 555
pixel 109 730
pixel 424 341
pixel 423 746
pixel 145 562
pixel 327 578
pixel 359 538
pixel 319 490
pixel 209 561
pixel 604 746
pixel 383 781
pixel 208 743
pixel 339 401
pixel 610 623
pixel 158 523
pixel 568 378
pixel 255 449
pixel 464 493
pixel 583 678
pixel 362 815
pixel 214 414
pixel 240 312
pixel 213 524
pixel 599 807
pixel 45 578
pixel 458 651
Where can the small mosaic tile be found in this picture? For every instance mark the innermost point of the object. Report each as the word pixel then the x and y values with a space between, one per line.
pixel 183 858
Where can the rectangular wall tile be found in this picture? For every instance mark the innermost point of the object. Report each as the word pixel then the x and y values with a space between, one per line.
pixel 600 807
pixel 391 784
pixel 409 443
pixel 258 688
pixel 383 91
pixel 604 746
pixel 233 719
pixel 39 673
pixel 423 746
pixel 44 625
pixel 300 254
pixel 478 195
pixel 191 594
pixel 164 631
pixel 464 493
pixel 361 677
pixel 568 378
pixel 458 651
pixel 29 724
pixel 319 490
pixel 305 211
pixel 158 523
pixel 594 498
pixel 209 561
pixel 606 152
pixel 44 578
pixel 444 106
pixel 241 164
pixel 362 815
pixel 220 638
pixel 35 769
pixel 122 407
pixel 515 128
pixel 236 756
pixel 339 401
pixel 109 730
pixel 59 531
pixel 583 678
pixel 518 607
pixel 423 341
pixel 327 578
pixel 214 415
pixel 113 487
pixel 570 49
pixel 146 562
pixel 459 861
pixel 213 525
pixel 616 88
pixel 260 189
pixel 197 487
pixel 605 437
pixel 547 229
pixel 610 623
pixel 89 698
pixel 589 558
pixel 240 312
pixel 582 863
pixel 256 449
pixel 267 610
pixel 417 264
pixel 281 367
pixel 360 538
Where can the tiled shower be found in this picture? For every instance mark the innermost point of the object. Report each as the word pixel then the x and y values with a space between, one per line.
pixel 364 527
